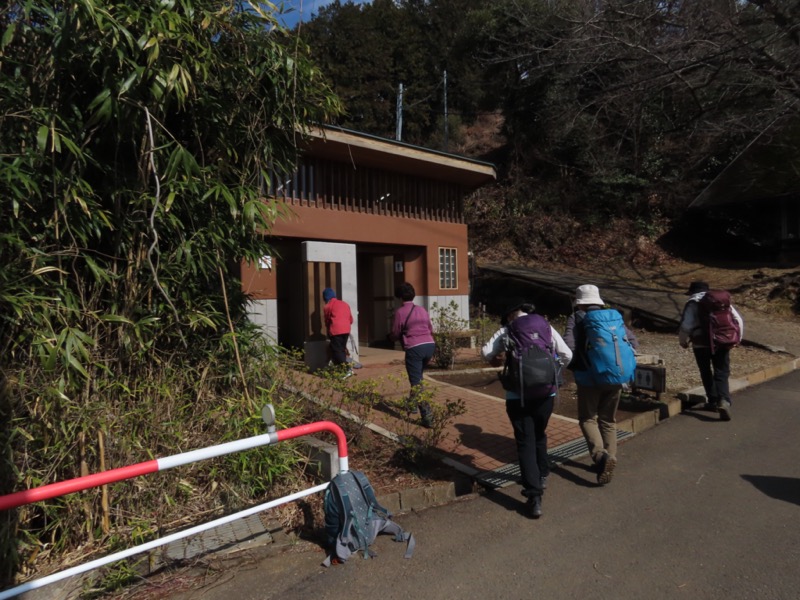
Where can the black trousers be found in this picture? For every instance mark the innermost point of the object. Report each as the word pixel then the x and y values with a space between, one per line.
pixel 339 348
pixel 715 368
pixel 530 423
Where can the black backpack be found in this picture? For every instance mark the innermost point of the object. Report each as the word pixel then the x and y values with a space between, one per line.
pixel 353 518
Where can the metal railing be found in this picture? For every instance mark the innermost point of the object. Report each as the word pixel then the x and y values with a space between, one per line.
pixel 70 486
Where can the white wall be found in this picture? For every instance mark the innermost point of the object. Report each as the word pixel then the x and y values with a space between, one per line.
pixel 316 353
pixel 444 301
pixel 264 313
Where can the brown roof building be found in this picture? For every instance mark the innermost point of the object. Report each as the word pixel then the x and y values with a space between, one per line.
pixel 363 214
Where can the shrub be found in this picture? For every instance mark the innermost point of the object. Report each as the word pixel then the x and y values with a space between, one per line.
pixel 446 327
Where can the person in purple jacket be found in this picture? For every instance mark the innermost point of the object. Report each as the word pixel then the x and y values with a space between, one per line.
pixel 413 328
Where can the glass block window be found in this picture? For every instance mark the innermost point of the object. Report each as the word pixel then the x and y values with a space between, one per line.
pixel 448 276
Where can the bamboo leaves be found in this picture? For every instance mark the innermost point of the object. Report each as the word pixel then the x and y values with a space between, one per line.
pixel 133 135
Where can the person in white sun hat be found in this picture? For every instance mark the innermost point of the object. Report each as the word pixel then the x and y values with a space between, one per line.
pixel 597 399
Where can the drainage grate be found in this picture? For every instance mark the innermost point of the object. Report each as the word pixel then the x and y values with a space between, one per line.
pixel 510 474
pixel 228 535
pixel 501 477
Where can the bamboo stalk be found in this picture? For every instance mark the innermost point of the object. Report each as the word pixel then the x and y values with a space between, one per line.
pixel 106 519
pixel 87 511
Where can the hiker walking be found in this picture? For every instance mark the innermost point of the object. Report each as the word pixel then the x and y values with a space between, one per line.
pixel 603 361
pixel 412 327
pixel 712 326
pixel 338 320
pixel 528 407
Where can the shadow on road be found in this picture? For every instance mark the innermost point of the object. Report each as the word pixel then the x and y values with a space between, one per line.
pixel 707 416
pixel 508 498
pixel 566 469
pixel 780 488
pixel 498 447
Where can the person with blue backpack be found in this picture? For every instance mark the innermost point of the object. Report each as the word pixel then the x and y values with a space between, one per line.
pixel 603 362
pixel 533 353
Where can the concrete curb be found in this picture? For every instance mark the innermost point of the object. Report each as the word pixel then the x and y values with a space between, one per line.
pixel 674 406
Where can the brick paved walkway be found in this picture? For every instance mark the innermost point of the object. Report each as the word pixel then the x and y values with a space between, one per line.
pixel 478 440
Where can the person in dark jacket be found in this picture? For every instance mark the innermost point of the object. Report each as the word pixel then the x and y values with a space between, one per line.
pixel 413 328
pixel 597 404
pixel 715 366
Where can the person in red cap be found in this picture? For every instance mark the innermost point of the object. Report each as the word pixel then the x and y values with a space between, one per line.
pixel 338 319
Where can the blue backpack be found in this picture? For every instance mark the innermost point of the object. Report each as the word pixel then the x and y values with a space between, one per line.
pixel 609 353
pixel 531 368
pixel 353 518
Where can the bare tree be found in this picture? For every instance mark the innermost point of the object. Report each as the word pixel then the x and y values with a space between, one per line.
pixel 631 95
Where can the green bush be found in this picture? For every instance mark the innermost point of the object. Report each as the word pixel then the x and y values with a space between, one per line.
pixel 447 325
pixel 418 444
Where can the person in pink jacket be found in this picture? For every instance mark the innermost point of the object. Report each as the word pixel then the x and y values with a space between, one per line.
pixel 413 328
pixel 338 320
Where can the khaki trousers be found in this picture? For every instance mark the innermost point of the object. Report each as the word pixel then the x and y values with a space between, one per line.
pixel 597 416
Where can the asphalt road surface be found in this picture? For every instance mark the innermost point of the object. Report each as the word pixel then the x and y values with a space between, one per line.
pixel 698 508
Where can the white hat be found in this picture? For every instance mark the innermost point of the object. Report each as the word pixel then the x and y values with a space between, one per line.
pixel 588 294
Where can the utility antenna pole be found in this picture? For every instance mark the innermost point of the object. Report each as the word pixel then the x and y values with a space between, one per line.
pixel 445 110
pixel 398 135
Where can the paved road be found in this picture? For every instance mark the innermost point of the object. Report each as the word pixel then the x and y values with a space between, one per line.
pixel 698 509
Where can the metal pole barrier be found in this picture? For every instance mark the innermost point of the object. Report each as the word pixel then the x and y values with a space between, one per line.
pixel 78 484
pixel 38 583
pixel 54 490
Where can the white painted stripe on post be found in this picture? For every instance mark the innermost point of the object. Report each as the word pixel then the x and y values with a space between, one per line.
pixel 343 464
pixel 38 583
pixel 176 460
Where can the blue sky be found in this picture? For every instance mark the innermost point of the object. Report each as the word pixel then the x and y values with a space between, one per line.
pixel 305 9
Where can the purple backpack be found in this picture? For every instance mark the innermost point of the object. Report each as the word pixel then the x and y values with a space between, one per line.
pixel 531 369
pixel 718 320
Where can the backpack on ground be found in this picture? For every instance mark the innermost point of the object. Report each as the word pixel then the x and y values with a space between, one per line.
pixel 717 319
pixel 609 353
pixel 531 368
pixel 353 518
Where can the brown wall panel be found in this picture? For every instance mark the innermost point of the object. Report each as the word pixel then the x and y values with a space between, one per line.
pixel 260 283
pixel 354 227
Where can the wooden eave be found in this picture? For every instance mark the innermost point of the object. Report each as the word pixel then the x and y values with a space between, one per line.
pixel 371 151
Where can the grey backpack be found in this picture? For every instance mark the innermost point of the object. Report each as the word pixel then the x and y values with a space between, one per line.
pixel 353 518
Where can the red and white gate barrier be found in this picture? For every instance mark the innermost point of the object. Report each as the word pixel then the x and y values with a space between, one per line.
pixel 62 488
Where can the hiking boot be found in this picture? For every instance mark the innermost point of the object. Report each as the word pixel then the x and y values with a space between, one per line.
pixel 606 467
pixel 597 465
pixel 533 507
pixel 348 374
pixel 724 409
